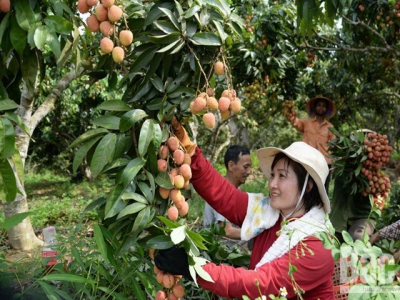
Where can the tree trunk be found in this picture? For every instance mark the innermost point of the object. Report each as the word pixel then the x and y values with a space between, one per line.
pixel 22 236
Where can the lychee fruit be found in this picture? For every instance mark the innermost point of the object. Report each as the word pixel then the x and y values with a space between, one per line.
pixel 92 23
pixel 5 6
pixel 212 103
pixel 209 120
pixel 106 28
pixel 106 45
pixel 164 193
pixel 114 13
pixel 92 2
pixel 118 54
pixel 236 106
pixel 125 37
pixel 82 6
pixel 185 171
pixel 172 213
pixel 219 68
pixel 101 13
pixel 179 181
pixel 224 103
pixel 108 3
pixel 173 143
pixel 162 165
pixel 179 156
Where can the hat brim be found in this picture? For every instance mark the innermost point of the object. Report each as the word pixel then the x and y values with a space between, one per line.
pixel 331 110
pixel 310 158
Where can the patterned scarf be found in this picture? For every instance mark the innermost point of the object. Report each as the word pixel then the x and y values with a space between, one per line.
pixel 260 216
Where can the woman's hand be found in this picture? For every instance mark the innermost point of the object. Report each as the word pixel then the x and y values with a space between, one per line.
pixel 183 137
pixel 173 261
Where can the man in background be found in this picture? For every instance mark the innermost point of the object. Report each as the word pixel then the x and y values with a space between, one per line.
pixel 315 129
pixel 237 162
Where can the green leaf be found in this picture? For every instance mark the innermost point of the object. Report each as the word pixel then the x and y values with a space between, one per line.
pixel 14 220
pixel 143 59
pixel 168 222
pixel 8 104
pixel 171 17
pixel 131 209
pixel 8 184
pixel 103 154
pixel 155 12
pixel 141 221
pixel 107 121
pixel 4 24
pixel 137 197
pixel 59 24
pixel 24 14
pixel 178 234
pixel 160 242
pixel 131 170
pixel 101 244
pixel 117 163
pixel 164 180
pixel 66 277
pixel 54 43
pixel 157 83
pixel 114 105
pixel 49 290
pixel 145 137
pixel 206 39
pixel 147 192
pixel 40 36
pixel 114 203
pixel 130 118
pixel 82 151
pixel 17 37
pixel 197 239
pixel 88 135
pixel 7 138
pixel 221 31
pixel 170 46
pixel 165 26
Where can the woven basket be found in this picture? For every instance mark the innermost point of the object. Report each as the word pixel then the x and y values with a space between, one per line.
pixel 341 287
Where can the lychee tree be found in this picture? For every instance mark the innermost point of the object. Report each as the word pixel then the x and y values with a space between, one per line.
pixel 169 64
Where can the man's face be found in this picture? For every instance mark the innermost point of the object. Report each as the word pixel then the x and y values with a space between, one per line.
pixel 242 169
pixel 321 108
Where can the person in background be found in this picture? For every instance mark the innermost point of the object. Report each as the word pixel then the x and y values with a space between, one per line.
pixel 315 129
pixel 237 162
pixel 390 232
pixel 287 257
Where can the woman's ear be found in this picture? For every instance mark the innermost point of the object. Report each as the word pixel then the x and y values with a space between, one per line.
pixel 310 185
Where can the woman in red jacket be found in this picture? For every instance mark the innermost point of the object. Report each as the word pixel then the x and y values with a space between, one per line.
pixel 286 256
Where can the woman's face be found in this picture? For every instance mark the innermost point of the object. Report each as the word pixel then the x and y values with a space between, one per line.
pixel 283 187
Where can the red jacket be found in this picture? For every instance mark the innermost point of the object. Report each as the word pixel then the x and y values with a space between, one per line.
pixel 314 272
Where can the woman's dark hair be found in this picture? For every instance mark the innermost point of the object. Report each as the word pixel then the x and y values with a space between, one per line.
pixel 311 198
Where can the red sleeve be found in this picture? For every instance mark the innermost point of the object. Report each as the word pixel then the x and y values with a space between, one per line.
pixel 217 191
pixel 313 275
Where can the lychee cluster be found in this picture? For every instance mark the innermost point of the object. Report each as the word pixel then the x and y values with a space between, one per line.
pixel 289 110
pixel 378 155
pixel 205 102
pixel 172 289
pixel 5 6
pixel 173 160
pixel 104 18
pixel 256 90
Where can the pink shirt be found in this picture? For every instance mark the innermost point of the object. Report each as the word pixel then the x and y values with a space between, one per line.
pixel 314 271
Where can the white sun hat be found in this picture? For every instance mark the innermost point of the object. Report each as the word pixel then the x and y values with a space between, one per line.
pixel 309 157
